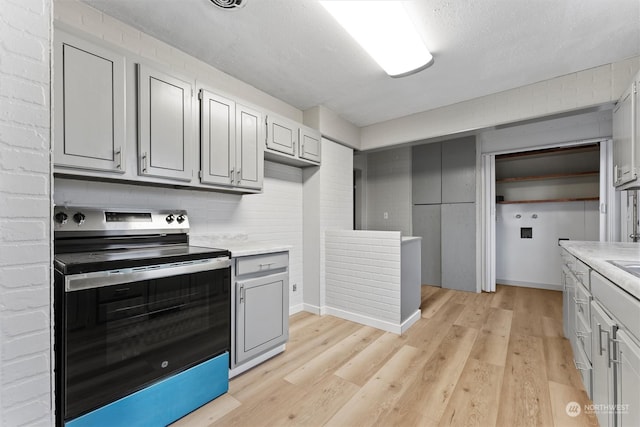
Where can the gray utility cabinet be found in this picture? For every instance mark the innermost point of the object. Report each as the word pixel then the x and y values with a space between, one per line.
pixel 443 191
pixel 165 125
pixel 292 143
pixel 626 137
pixel 231 142
pixel 262 304
pixel 89 84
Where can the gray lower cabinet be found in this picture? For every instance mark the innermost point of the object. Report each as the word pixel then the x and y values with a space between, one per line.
pixel 262 304
pixel 628 387
pixel 459 246
pixel 89 110
pixel 568 307
pixel 426 224
pixel 165 125
pixel 603 379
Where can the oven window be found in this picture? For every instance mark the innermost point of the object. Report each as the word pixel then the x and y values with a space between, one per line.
pixel 122 338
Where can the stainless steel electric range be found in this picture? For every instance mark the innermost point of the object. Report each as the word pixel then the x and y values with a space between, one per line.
pixel 142 318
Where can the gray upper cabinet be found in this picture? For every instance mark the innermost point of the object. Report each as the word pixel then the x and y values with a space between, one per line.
pixel 89 110
pixel 426 174
pixel 249 147
pixel 231 143
pixel 625 152
pixel 310 144
pixel 282 134
pixel 459 170
pixel 291 143
pixel 165 125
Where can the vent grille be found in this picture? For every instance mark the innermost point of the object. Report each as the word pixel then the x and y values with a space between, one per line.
pixel 229 4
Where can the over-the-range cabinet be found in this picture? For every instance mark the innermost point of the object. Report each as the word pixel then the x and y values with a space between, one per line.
pixel 261 304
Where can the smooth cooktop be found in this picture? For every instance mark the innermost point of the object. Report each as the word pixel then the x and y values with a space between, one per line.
pixel 105 260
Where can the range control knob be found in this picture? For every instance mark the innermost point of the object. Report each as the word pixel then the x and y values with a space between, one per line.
pixel 79 218
pixel 181 218
pixel 170 218
pixel 61 218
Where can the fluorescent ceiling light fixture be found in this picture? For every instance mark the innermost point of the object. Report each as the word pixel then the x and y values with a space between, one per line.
pixel 385 31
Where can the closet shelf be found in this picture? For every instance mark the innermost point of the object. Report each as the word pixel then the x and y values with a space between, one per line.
pixel 550 176
pixel 578 199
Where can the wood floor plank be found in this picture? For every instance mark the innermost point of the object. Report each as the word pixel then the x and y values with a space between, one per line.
pixel 498 321
pixel 435 302
pixel 476 398
pixel 380 393
pixel 209 413
pixel 525 399
pixel 474 316
pixel 563 395
pixel 359 369
pixel 425 399
pixel 428 333
pixel 559 362
pixel 504 297
pixel 490 348
pixel 525 323
pixel 331 359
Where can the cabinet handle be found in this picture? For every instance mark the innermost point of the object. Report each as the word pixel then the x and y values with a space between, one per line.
pixel 232 173
pixel 241 294
pixel 608 348
pixel 266 264
pixel 600 339
pixel 580 366
pixel 239 173
pixel 144 162
pixel 118 152
pixel 614 360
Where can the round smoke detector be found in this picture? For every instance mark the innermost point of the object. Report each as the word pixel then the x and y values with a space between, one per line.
pixel 229 4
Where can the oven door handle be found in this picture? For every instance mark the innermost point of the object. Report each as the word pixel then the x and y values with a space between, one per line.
pixel 98 279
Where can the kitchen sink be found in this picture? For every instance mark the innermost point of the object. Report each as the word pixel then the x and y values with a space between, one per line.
pixel 631 267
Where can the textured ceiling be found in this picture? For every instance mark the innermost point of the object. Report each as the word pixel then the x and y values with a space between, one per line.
pixel 293 50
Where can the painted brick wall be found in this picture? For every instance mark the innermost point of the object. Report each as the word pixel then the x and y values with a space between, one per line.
pixel 363 273
pixel 25 186
pixel 273 217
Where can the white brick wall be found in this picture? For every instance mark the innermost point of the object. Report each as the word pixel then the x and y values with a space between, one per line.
pixel 363 274
pixel 25 182
pixel 273 217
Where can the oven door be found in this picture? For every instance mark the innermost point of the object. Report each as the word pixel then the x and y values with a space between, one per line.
pixel 117 339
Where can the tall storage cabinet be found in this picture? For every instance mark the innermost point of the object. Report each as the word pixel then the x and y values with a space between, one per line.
pixel 443 192
pixel 626 138
pixel 89 111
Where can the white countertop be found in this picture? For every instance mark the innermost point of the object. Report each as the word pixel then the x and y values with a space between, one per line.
pixel 238 247
pixel 410 238
pixel 596 255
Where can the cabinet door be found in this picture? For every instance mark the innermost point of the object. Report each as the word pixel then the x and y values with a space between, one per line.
pixel 459 170
pixel 568 307
pixel 426 175
pixel 426 224
pixel 262 315
pixel 602 380
pixel 165 125
pixel 623 148
pixel 249 147
pixel 459 246
pixel 628 380
pixel 89 111
pixel 217 139
pixel 282 135
pixel 310 142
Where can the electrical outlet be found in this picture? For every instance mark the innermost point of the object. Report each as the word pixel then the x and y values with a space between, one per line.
pixel 385 215
pixel 295 287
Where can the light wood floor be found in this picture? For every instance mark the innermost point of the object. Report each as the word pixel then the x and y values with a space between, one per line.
pixel 473 359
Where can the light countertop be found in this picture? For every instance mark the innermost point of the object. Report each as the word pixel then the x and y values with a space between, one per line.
pixel 239 247
pixel 596 255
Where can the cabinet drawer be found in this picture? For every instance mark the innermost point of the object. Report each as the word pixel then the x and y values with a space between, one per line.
pixel 567 258
pixel 581 271
pixel 261 263
pixel 617 302
pixel 584 367
pixel 582 300
pixel 583 335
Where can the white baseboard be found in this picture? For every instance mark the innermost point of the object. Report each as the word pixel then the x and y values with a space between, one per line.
pixel 410 321
pixel 551 287
pixel 296 309
pixel 256 361
pixel 314 309
pixel 367 321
